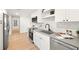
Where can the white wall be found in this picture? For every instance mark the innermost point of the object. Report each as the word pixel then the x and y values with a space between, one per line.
pixel 25 23
pixel 1 29
pixel 38 14
pixel 10 24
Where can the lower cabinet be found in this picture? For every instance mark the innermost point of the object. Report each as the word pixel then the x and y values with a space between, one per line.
pixel 58 45
pixel 41 41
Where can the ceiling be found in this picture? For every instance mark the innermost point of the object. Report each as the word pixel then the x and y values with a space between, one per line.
pixel 20 12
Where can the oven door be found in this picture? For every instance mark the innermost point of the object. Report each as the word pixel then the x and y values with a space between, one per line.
pixel 31 34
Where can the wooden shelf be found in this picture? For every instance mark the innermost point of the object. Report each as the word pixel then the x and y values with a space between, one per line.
pixel 47 10
pixel 49 16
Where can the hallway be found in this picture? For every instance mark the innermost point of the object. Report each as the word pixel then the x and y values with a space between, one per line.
pixel 20 41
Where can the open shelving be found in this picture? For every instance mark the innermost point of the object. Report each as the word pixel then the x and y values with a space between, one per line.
pixel 49 16
pixel 47 10
pixel 48 13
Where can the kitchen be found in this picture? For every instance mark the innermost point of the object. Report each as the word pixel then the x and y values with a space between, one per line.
pixel 47 29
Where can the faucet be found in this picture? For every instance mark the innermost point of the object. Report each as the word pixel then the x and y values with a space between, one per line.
pixel 48 27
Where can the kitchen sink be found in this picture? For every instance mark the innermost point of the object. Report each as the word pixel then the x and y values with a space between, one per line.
pixel 47 32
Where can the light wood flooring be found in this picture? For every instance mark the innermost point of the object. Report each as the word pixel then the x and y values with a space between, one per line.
pixel 20 41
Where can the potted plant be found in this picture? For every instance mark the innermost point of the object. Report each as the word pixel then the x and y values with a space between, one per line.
pixel 77 33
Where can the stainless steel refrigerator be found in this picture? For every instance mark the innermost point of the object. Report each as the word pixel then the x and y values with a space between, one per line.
pixel 5 31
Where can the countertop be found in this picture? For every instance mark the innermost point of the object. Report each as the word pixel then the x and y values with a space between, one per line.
pixel 74 41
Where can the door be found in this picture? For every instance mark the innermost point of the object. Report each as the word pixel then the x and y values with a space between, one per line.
pixel 15 22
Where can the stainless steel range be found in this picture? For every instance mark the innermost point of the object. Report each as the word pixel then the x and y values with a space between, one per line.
pixel 31 33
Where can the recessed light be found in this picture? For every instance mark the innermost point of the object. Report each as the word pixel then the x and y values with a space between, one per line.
pixel 16 13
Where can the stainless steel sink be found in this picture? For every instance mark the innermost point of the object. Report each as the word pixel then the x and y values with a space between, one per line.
pixel 47 32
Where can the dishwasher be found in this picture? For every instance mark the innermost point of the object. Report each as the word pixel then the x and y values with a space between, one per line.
pixel 59 45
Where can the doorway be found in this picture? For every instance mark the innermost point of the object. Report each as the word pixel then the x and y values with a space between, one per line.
pixel 15 23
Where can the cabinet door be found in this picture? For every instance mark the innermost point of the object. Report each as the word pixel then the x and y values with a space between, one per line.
pixel 41 41
pixel 60 15
pixel 44 44
pixel 72 14
pixel 35 39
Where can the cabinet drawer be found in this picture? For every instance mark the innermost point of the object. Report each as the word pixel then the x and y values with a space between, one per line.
pixel 43 36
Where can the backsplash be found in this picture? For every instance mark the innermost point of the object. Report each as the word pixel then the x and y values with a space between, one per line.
pixel 50 21
pixel 68 25
pixel 43 22
pixel 63 26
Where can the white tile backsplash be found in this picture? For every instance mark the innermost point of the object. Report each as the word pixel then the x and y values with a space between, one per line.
pixel 51 23
pixel 68 25
pixel 63 26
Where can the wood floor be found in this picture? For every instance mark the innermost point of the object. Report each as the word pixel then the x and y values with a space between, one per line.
pixel 20 41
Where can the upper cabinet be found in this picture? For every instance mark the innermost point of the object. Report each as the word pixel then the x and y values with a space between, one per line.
pixel 66 15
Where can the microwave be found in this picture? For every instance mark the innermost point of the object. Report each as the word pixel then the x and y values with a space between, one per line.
pixel 34 19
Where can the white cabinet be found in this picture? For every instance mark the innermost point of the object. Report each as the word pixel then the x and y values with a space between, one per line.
pixel 36 39
pixel 45 42
pixel 41 41
pixel 60 15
